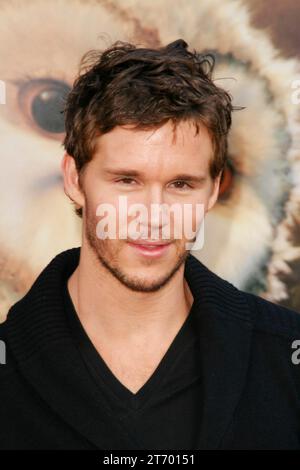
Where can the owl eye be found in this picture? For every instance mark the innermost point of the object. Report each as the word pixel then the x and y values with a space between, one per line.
pixel 227 181
pixel 42 102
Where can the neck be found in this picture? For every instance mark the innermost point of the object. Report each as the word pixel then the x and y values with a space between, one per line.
pixel 109 310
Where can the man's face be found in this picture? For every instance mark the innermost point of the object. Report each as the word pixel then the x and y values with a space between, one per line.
pixel 147 167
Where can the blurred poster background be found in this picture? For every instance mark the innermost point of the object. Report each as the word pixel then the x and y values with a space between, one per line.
pixel 252 235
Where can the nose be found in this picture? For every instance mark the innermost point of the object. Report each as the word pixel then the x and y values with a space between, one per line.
pixel 157 212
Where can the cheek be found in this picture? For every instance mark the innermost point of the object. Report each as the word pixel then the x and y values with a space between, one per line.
pixel 97 196
pixel 98 203
pixel 188 220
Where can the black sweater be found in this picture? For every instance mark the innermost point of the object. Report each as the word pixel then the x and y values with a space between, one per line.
pixel 249 383
pixel 168 402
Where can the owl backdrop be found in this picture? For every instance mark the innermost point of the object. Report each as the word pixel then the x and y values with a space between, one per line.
pixel 252 234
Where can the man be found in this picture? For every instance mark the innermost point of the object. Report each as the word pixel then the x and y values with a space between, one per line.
pixel 130 342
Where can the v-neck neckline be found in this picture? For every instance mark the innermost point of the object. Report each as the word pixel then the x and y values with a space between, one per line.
pixel 184 339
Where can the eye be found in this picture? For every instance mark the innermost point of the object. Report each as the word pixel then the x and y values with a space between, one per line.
pixel 41 102
pixel 127 180
pixel 179 184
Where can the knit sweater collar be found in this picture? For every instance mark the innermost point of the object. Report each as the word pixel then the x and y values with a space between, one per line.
pixel 42 345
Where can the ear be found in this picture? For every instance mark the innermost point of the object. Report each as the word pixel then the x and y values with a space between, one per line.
pixel 72 186
pixel 215 192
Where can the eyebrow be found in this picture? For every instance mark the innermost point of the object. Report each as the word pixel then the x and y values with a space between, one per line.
pixel 129 173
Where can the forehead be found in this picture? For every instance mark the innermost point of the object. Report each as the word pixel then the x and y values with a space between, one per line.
pixel 164 145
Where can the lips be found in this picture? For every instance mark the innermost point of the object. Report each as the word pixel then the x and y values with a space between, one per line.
pixel 149 243
pixel 153 249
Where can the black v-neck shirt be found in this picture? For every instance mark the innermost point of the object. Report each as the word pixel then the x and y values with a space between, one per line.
pixel 165 413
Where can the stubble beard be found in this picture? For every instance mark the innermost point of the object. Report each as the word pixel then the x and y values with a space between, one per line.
pixel 108 258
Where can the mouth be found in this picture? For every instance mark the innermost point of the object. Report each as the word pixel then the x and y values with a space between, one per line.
pixel 150 248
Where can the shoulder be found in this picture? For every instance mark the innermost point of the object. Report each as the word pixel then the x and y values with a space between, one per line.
pixel 3 331
pixel 275 344
pixel 272 318
pixel 7 363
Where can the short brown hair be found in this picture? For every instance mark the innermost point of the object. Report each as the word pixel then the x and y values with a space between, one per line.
pixel 126 84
